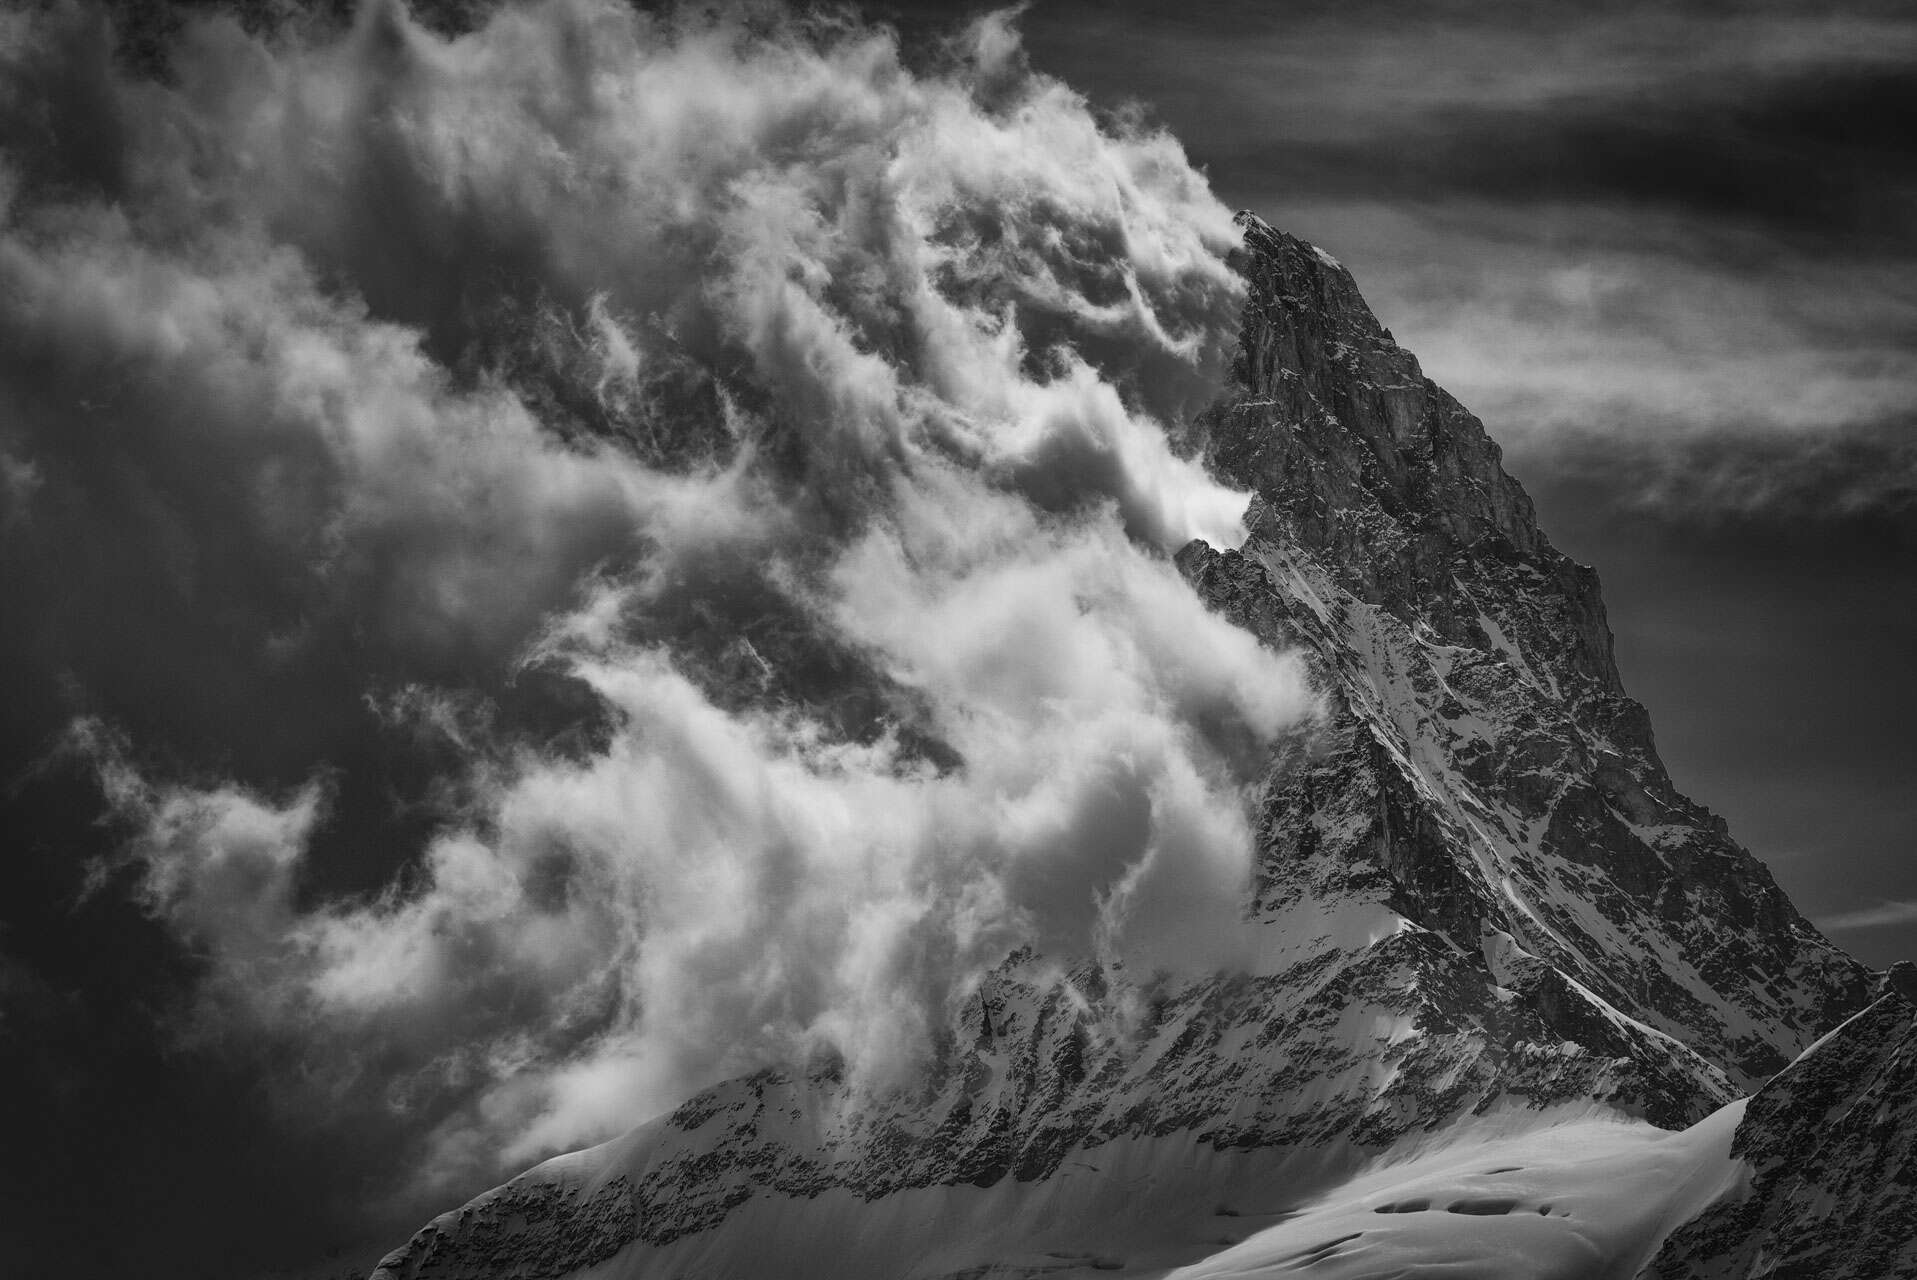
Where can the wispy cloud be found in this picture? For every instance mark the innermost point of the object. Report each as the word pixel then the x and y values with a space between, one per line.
pixel 1883 915
pixel 1671 249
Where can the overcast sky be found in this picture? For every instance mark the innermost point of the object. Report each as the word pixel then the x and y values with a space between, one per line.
pixel 266 649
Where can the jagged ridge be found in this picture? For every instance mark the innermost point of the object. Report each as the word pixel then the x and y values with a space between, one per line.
pixel 1832 1145
pixel 1522 791
pixel 1485 894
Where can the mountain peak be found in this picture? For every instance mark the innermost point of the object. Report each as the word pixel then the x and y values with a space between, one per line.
pixel 1485 908
pixel 1379 469
pixel 1475 665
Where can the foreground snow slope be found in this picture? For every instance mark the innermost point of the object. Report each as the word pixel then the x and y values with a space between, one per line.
pixel 1831 1148
pixel 1814 1176
pixel 1486 912
pixel 1585 1201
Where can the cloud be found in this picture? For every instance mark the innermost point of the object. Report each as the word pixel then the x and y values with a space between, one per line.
pixel 1348 73
pixel 1664 250
pixel 1806 154
pixel 1883 915
pixel 1617 349
pixel 658 528
pixel 1692 392
pixel 221 862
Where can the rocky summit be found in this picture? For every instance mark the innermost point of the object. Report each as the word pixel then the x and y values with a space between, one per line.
pixel 1487 916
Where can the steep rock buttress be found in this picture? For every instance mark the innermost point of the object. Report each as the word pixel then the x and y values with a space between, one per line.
pixel 1520 796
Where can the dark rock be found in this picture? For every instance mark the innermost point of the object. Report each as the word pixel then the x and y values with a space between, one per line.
pixel 1832 1145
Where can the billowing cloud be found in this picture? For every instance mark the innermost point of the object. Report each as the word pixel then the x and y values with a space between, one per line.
pixel 727 472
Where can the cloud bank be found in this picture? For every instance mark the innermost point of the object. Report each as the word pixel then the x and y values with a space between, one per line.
pixel 615 549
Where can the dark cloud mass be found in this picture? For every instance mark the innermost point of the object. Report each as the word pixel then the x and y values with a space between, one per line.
pixel 557 552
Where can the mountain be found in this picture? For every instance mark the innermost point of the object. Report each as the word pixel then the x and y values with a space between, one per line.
pixel 1511 987
pixel 1832 1159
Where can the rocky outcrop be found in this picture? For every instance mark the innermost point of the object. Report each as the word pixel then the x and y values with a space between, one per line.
pixel 1831 1143
pixel 1482 894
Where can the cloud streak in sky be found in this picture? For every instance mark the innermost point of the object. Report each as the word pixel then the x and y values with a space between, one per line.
pixel 1664 250
pixel 725 470
pixel 1883 915
pixel 1695 391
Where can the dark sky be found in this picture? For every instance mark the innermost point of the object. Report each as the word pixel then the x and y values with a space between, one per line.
pixel 1668 252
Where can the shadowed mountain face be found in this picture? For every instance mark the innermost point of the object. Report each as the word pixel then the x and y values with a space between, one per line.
pixel 1479 906
pixel 1833 1159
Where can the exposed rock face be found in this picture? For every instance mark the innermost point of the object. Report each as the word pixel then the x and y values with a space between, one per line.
pixel 1483 894
pixel 1518 789
pixel 1832 1145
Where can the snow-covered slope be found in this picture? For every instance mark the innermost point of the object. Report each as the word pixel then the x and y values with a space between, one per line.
pixel 1830 1145
pixel 1588 1199
pixel 1494 934
pixel 1813 1176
